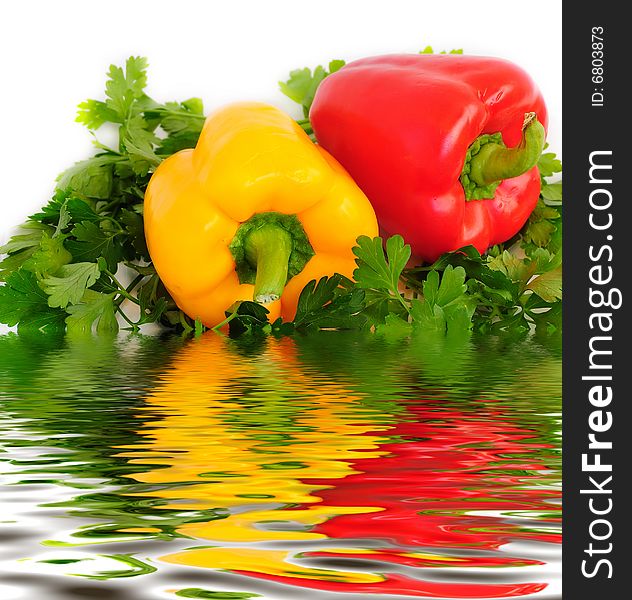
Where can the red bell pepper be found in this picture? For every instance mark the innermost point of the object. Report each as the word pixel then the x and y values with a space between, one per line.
pixel 444 146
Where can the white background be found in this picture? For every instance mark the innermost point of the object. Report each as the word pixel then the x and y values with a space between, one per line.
pixel 55 54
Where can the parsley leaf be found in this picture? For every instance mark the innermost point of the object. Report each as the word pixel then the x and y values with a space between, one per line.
pixel 70 284
pixel 139 141
pixel 80 210
pixel 22 246
pixel 92 177
pixel 302 84
pixel 330 303
pixel 92 242
pixel 246 317
pixel 94 307
pixel 445 304
pixel 541 225
pixel 94 113
pixel 29 236
pixel 429 50
pixel 379 274
pixel 125 86
pixel 23 301
pixel 49 213
pixel 548 285
pixel 95 214
pixel 549 164
pixel 552 193
pixel 48 258
pixel 375 270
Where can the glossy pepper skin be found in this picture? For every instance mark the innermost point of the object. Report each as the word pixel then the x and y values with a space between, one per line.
pixel 255 211
pixel 402 126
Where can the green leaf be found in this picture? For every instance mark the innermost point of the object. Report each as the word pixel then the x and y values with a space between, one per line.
pixel 335 65
pixel 548 285
pixel 92 178
pixel 183 123
pixel 475 268
pixel 64 220
pixel 22 246
pixel 539 233
pixel 50 212
pixel 125 86
pixel 62 561
pixel 13 262
pixel 29 235
pixel 516 269
pixel 303 83
pixel 452 285
pixel 458 317
pixel 549 164
pixel 427 315
pixel 550 320
pixel 43 321
pixel 445 304
pixel 315 295
pixel 429 50
pixel 70 284
pixel 431 288
pixel 375 270
pixel 330 303
pixel 48 258
pixel 552 192
pixel 544 260
pixel 247 317
pixel 94 113
pixel 394 326
pixel 23 302
pixel 176 117
pixel 134 226
pixel 94 307
pixel 20 295
pixel 105 284
pixel 378 305
pixel 93 242
pixel 541 226
pixel 153 297
pixel 177 141
pixel 138 141
pixel 80 210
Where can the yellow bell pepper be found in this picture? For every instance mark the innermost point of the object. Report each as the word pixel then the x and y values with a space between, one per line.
pixel 254 212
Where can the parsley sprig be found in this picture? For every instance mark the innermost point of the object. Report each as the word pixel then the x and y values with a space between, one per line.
pixel 63 267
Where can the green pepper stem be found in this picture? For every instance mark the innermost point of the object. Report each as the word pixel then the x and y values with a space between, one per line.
pixel 495 162
pixel 268 250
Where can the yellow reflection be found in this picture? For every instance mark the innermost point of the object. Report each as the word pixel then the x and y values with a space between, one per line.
pixel 247 434
pixel 267 562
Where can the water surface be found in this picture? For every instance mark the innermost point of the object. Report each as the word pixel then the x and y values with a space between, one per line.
pixel 334 465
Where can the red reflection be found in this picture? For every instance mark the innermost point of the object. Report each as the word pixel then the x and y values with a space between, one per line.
pixel 448 466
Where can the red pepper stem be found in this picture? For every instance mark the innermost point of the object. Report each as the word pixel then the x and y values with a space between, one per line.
pixel 495 162
pixel 268 250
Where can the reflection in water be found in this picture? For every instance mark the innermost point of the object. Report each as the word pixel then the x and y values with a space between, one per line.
pixel 332 462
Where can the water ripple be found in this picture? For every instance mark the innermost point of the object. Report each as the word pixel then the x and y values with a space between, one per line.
pixel 325 465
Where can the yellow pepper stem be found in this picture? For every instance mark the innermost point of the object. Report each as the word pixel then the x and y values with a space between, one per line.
pixel 268 250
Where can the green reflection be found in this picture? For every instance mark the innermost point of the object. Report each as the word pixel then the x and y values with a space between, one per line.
pixel 200 593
